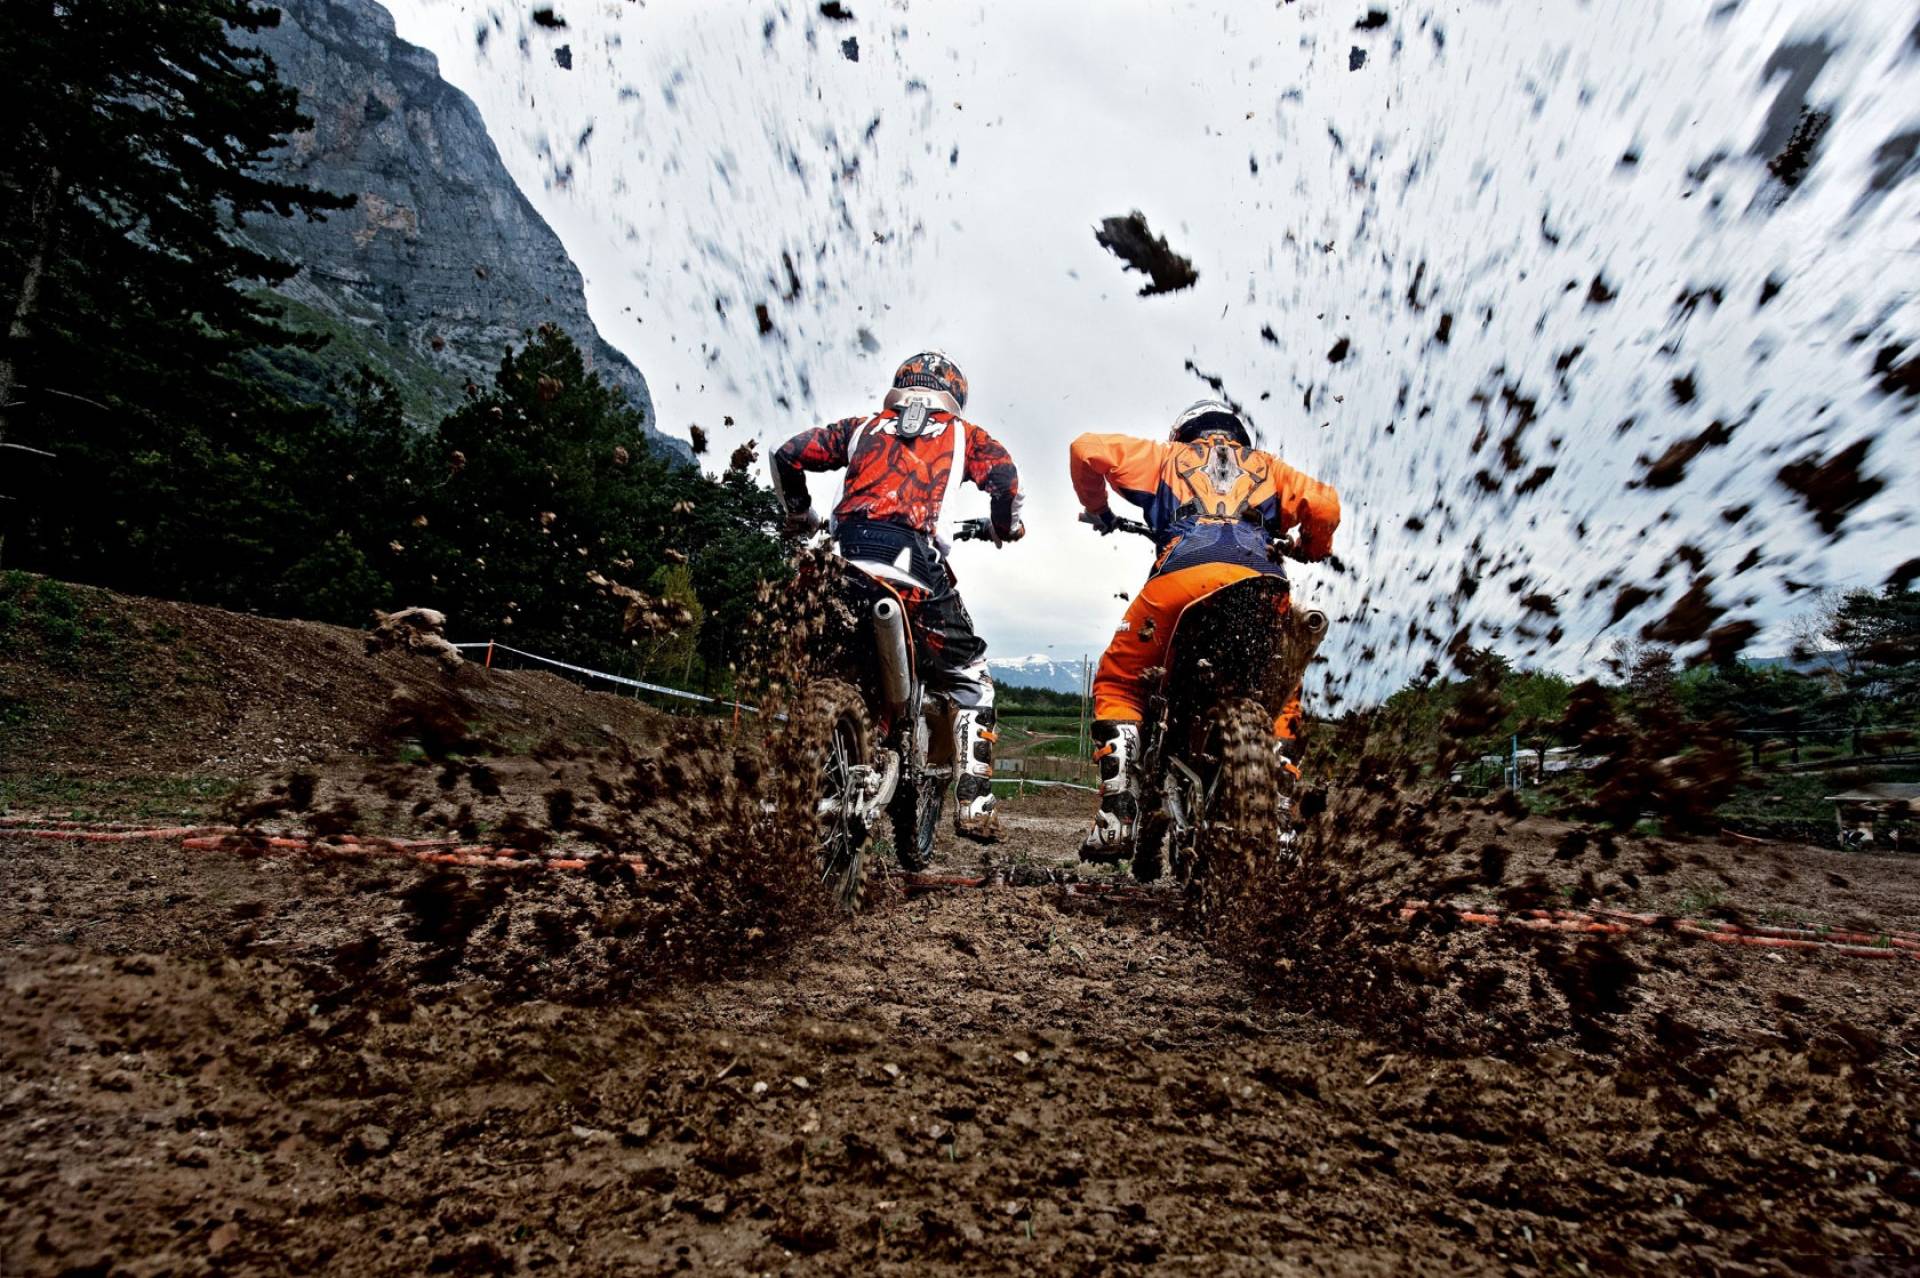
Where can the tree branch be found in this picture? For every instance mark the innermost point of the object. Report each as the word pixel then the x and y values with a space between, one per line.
pixel 48 390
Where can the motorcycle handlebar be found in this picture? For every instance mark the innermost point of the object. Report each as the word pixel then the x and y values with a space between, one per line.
pixel 1120 525
pixel 1281 547
pixel 973 530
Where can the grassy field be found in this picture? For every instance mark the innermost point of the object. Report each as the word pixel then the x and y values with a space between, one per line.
pixel 1042 721
pixel 95 799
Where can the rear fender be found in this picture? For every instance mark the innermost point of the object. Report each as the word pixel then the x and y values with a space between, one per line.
pixel 1230 643
pixel 863 590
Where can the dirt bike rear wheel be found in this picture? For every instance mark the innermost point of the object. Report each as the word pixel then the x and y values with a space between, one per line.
pixel 916 816
pixel 1239 821
pixel 838 738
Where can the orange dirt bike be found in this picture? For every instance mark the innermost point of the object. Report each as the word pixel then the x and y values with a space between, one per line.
pixel 1211 776
pixel 882 744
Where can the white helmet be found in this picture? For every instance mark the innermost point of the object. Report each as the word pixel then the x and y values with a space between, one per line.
pixel 1206 417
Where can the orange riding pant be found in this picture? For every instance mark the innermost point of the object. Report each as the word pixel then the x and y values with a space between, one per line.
pixel 1140 644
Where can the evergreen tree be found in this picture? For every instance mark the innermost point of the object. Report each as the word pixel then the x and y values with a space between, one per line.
pixel 732 548
pixel 131 148
pixel 1881 635
pixel 354 509
pixel 1755 703
pixel 546 482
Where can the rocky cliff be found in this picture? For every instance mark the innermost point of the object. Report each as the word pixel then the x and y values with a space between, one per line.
pixel 442 262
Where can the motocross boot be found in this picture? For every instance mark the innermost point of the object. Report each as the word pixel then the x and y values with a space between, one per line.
pixel 973 738
pixel 1287 774
pixel 1118 750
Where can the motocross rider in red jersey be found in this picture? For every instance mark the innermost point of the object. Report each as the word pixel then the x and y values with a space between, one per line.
pixel 902 463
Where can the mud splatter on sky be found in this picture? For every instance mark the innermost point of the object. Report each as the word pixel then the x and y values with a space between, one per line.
pixel 1475 201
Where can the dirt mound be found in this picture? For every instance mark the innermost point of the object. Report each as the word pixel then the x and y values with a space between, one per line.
pixel 100 685
pixel 695 852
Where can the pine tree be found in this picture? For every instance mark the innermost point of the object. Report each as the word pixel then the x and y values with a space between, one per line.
pixel 354 507
pixel 132 136
pixel 1880 632
pixel 546 482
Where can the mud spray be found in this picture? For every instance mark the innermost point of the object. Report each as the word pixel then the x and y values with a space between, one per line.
pixel 692 855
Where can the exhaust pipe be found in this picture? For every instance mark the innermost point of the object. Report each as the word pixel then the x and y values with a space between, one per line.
pixel 1306 628
pixel 1310 629
pixel 890 639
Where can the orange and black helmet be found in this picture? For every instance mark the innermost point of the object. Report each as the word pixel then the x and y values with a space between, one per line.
pixel 929 377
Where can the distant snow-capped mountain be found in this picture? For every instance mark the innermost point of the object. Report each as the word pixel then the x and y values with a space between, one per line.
pixel 1040 671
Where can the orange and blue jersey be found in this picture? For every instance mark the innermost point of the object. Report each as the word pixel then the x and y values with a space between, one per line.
pixel 1213 504
pixel 1212 500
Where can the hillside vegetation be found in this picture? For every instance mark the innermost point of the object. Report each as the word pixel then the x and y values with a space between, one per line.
pixel 1764 742
pixel 170 425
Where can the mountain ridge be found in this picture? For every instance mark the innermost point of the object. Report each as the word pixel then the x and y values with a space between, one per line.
pixel 1040 671
pixel 442 262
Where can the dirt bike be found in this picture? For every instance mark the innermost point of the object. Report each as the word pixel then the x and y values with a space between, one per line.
pixel 1210 776
pixel 883 744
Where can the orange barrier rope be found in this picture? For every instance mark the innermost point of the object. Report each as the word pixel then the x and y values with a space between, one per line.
pixel 476 854
pixel 1536 925
pixel 116 836
pixel 218 838
pixel 1893 937
pixel 61 823
pixel 1848 942
pixel 1789 943
pixel 1854 944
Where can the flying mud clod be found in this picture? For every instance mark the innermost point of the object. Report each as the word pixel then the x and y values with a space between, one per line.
pixel 1129 239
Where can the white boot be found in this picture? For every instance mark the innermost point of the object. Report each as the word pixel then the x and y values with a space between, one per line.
pixel 1111 838
pixel 973 738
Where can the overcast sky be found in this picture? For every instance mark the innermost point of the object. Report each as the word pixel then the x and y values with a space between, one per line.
pixel 942 191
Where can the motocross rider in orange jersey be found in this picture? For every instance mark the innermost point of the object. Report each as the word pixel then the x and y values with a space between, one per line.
pixel 1215 504
pixel 902 463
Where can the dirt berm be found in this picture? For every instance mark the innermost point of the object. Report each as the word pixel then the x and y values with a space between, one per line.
pixel 99 686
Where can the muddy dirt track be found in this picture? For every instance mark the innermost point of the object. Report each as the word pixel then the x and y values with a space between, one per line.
pixel 219 1062
pixel 256 1059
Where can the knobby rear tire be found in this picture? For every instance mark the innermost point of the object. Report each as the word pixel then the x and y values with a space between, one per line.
pixel 1149 853
pixel 1239 826
pixel 915 812
pixel 836 736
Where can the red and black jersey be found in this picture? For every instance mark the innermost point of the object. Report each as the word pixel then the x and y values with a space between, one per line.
pixel 895 480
